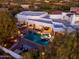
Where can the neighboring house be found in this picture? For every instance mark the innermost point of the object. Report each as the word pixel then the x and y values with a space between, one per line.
pixel 55 14
pixel 26 6
pixel 47 1
pixel 3 9
pixel 75 10
pixel 60 3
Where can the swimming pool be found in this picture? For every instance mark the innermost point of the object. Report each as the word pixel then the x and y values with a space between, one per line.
pixel 36 38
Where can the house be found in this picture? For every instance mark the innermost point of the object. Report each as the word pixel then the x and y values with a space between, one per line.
pixel 36 20
pixel 75 20
pixel 67 16
pixel 60 15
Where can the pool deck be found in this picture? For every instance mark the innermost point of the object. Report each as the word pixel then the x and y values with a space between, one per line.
pixel 29 42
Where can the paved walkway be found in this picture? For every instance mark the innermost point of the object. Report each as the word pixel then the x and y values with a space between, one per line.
pixel 13 54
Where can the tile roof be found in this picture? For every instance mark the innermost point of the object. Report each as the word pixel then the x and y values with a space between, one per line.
pixel 75 10
pixel 55 12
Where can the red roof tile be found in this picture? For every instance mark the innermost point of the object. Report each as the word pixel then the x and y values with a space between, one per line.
pixel 75 9
pixel 55 12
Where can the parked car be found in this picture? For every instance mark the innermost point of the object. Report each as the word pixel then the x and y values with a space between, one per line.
pixel 59 28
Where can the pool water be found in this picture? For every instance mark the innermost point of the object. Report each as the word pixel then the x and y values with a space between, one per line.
pixel 36 38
